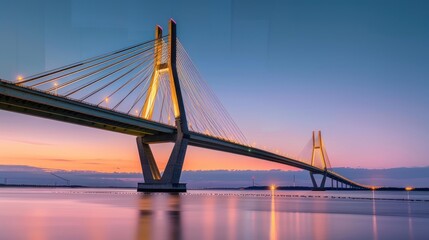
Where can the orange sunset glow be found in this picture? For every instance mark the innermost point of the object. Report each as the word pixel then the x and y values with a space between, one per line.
pixel 215 120
pixel 71 147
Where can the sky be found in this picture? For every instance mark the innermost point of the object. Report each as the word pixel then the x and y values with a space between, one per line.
pixel 356 70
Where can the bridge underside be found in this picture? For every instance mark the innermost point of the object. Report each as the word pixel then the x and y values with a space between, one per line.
pixel 27 101
pixel 203 141
pixel 154 78
pixel 30 102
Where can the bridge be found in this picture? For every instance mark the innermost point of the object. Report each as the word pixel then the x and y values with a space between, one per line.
pixel 153 91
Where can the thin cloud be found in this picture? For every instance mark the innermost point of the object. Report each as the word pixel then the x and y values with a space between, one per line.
pixel 92 163
pixel 95 161
pixel 83 161
pixel 28 142
pixel 56 160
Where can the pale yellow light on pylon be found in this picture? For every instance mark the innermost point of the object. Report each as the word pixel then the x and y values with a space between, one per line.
pixel 19 78
pixel 56 88
pixel 106 99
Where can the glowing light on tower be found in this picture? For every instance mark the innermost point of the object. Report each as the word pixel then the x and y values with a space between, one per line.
pixel 107 102
pixel 56 88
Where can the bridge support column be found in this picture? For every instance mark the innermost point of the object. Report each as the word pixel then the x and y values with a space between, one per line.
pixel 318 148
pixel 317 187
pixel 169 181
pixel 150 170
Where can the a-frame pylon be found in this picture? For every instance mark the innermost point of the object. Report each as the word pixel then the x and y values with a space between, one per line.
pixel 318 148
pixel 169 180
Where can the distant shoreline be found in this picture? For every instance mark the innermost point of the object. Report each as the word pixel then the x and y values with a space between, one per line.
pixel 57 186
pixel 310 188
pixel 253 188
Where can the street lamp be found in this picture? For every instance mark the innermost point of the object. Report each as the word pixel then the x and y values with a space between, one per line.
pixel 107 102
pixel 56 88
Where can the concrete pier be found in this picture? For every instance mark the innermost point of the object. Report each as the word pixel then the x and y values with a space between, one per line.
pixel 161 187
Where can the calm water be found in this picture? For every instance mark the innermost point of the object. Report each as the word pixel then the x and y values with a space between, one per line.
pixel 124 214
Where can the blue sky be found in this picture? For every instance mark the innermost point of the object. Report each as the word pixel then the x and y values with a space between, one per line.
pixel 357 70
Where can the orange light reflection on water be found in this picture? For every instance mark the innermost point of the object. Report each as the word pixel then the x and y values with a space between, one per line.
pixel 124 214
pixel 273 223
pixel 374 218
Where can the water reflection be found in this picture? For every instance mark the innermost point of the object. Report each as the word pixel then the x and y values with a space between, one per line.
pixel 374 218
pixel 232 217
pixel 159 216
pixel 38 229
pixel 410 219
pixel 320 221
pixel 115 214
pixel 208 218
pixel 273 224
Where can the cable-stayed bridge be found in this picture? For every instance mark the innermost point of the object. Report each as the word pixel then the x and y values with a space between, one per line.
pixel 153 91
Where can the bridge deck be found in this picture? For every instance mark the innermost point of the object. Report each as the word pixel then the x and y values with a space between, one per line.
pixel 37 103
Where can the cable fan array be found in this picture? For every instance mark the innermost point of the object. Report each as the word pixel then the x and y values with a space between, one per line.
pixel 116 81
pixel 325 153
pixel 204 111
pixel 120 81
pixel 306 155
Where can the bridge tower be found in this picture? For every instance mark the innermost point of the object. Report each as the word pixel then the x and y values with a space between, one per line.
pixel 319 150
pixel 169 180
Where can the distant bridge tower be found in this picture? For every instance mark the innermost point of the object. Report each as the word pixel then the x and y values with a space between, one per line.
pixel 169 181
pixel 319 152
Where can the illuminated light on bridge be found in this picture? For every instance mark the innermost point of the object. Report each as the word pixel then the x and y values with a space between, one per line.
pixel 154 79
pixel 19 78
pixel 56 88
pixel 409 188
pixel 273 187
